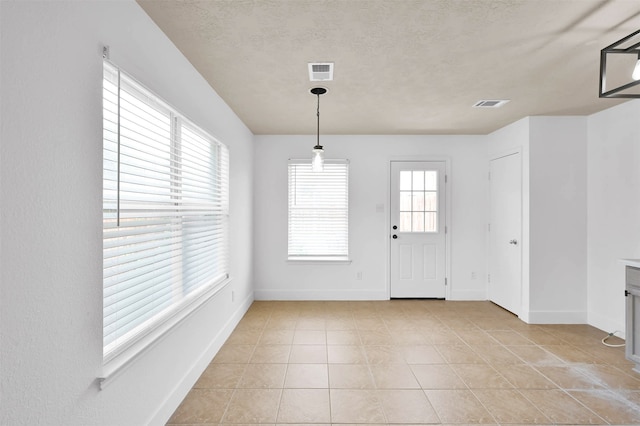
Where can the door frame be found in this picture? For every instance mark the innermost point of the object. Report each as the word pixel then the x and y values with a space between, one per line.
pixel 447 215
pixel 524 235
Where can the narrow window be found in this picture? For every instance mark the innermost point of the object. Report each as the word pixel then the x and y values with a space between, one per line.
pixel 319 211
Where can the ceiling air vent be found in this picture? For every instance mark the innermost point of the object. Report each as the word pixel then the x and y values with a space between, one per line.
pixel 490 104
pixel 321 71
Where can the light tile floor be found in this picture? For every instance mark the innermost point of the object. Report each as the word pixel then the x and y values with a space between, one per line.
pixel 410 362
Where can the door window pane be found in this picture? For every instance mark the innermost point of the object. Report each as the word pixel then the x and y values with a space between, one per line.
pixel 405 201
pixel 431 180
pixel 431 201
pixel 405 221
pixel 405 180
pixel 418 201
pixel 431 222
pixel 418 180
pixel 417 223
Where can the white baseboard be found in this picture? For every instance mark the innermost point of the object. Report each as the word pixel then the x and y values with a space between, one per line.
pixel 321 295
pixel 555 317
pixel 606 324
pixel 352 295
pixel 468 295
pixel 180 391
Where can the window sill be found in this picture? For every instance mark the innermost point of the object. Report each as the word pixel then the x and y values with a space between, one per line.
pixel 115 366
pixel 319 260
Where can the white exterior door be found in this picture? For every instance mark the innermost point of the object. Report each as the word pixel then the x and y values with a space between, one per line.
pixel 505 231
pixel 417 229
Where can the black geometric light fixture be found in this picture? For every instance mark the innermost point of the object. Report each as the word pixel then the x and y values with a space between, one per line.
pixel 624 63
pixel 317 161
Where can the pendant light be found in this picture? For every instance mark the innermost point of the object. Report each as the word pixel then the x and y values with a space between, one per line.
pixel 636 70
pixel 627 47
pixel 317 160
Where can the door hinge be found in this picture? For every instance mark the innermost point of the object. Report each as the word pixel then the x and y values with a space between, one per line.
pixel 489 175
pixel 488 278
pixel 445 178
pixel 445 281
pixel 489 227
pixel 626 293
pixel 446 229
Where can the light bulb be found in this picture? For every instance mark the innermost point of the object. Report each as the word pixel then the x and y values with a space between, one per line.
pixel 317 161
pixel 636 71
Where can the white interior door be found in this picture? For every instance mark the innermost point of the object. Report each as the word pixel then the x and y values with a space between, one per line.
pixel 505 231
pixel 418 242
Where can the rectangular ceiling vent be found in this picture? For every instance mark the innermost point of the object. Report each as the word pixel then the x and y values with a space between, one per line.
pixel 490 104
pixel 321 71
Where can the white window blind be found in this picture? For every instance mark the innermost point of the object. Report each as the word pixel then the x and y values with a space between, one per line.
pixel 165 211
pixel 319 210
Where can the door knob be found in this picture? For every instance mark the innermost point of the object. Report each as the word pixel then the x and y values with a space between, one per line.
pixel 514 242
pixel 395 227
pixel 394 236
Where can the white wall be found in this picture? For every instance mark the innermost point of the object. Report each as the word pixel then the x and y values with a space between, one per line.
pixel 558 220
pixel 369 231
pixel 554 220
pixel 50 224
pixel 613 209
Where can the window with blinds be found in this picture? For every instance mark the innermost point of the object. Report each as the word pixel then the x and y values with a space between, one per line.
pixel 318 211
pixel 165 212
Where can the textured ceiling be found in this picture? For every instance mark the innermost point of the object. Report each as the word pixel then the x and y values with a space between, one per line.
pixel 401 66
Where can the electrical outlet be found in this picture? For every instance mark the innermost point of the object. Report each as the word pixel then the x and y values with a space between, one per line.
pixel 233 295
pixel 473 275
pixel 359 275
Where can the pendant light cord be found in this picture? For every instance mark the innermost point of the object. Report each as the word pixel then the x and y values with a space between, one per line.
pixel 317 91
pixel 318 115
